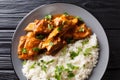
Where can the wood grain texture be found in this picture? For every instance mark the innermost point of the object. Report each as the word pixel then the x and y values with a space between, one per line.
pixel 106 11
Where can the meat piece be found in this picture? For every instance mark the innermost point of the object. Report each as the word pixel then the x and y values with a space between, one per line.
pixel 61 30
pixel 68 34
pixel 44 27
pixel 30 26
pixel 30 34
pixel 81 32
pixel 21 44
pixel 74 21
pixel 60 20
pixel 26 45
pixel 31 43
pixel 53 45
pixel 53 33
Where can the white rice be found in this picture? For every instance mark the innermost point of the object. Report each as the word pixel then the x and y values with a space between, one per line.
pixel 84 61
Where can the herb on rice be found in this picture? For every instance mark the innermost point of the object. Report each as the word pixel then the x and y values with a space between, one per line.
pixel 33 65
pixel 45 63
pixel 58 72
pixel 70 74
pixel 73 54
pixel 87 52
pixel 85 41
pixel 24 62
pixel 44 67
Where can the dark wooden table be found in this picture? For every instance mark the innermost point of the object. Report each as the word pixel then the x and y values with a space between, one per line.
pixel 106 11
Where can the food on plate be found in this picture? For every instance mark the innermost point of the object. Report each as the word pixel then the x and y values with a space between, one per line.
pixel 50 34
pixel 74 61
pixel 58 47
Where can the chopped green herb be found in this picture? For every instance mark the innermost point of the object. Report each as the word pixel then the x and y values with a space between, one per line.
pixel 81 29
pixel 50 27
pixel 71 67
pixel 24 62
pixel 48 17
pixel 50 61
pixel 58 72
pixel 42 61
pixel 51 43
pixel 66 14
pixel 33 65
pixel 69 40
pixel 36 49
pixel 85 41
pixel 79 18
pixel 84 66
pixel 70 74
pixel 73 54
pixel 48 78
pixel 24 50
pixel 58 77
pixel 47 62
pixel 40 36
pixel 79 50
pixel 64 50
pixel 59 28
pixel 87 52
pixel 44 67
pixel 70 70
pixel 97 46
pixel 38 64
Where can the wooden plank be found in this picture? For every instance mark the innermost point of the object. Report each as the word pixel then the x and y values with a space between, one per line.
pixel 11 12
pixel 5 62
pixel 7 75
pixel 112 74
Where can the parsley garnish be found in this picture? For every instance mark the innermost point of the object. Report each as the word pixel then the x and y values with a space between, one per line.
pixel 48 17
pixel 50 61
pixel 24 50
pixel 58 72
pixel 81 29
pixel 51 43
pixel 87 52
pixel 64 50
pixel 70 74
pixel 70 70
pixel 66 14
pixel 59 28
pixel 73 54
pixel 36 49
pixel 44 67
pixel 71 67
pixel 40 36
pixel 69 40
pixel 85 41
pixel 97 46
pixel 44 64
pixel 79 18
pixel 33 65
pixel 24 62
pixel 79 50
pixel 50 27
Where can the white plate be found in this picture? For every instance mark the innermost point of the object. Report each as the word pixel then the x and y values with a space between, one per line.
pixel 57 8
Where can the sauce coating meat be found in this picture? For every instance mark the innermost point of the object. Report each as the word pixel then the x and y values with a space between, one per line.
pixel 50 34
